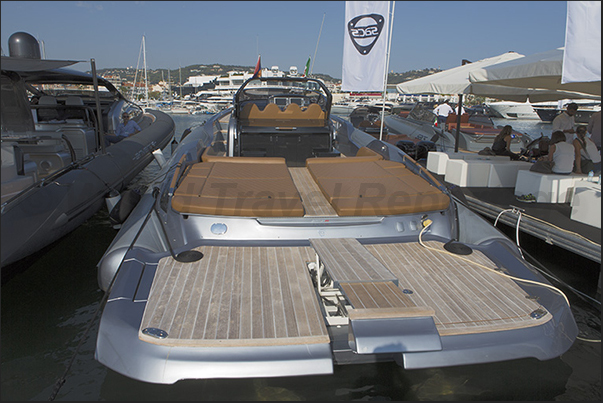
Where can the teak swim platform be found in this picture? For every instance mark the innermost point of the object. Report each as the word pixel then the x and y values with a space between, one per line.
pixel 281 241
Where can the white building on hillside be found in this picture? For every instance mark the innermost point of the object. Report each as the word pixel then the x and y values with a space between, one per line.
pixel 199 81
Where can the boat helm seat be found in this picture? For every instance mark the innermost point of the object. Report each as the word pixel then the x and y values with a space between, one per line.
pixel 77 111
pixel 48 110
pixel 74 101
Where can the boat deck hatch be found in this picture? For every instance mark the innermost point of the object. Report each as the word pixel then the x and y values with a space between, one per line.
pixel 235 297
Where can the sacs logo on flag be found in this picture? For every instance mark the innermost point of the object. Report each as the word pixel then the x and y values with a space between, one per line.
pixel 364 31
pixel 364 46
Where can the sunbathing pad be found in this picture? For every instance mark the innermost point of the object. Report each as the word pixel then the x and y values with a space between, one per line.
pixel 236 187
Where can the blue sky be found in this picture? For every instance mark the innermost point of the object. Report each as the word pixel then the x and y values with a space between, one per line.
pixel 181 33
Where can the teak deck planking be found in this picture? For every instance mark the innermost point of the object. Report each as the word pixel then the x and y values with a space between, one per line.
pixel 236 296
pixel 313 200
pixel 257 296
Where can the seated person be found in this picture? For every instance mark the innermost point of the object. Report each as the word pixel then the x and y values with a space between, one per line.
pixel 126 128
pixel 543 147
pixel 587 157
pixel 560 159
pixel 502 143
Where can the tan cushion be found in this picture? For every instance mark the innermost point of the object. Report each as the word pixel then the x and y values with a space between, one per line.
pixel 365 151
pixel 249 170
pixel 260 188
pixel 238 160
pixel 351 169
pixel 334 188
pixel 392 204
pixel 356 186
pixel 338 160
pixel 239 186
pixel 292 116
pixel 243 207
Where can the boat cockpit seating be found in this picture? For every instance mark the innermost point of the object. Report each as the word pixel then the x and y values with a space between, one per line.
pixel 47 110
pixel 294 133
pixel 75 109
pixel 273 116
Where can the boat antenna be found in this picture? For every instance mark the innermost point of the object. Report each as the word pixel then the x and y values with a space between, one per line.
pixel 391 28
pixel 315 50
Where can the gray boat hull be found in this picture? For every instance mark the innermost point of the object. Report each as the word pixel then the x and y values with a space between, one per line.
pixel 50 211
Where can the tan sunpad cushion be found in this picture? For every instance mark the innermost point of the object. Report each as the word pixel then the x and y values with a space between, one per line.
pixel 362 187
pixel 355 186
pixel 239 188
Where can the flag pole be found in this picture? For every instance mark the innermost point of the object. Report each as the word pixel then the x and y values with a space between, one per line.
pixel 389 46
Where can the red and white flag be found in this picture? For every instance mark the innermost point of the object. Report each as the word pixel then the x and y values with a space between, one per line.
pixel 365 45
pixel 258 68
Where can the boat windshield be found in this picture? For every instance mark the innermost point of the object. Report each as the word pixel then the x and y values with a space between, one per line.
pixel 422 113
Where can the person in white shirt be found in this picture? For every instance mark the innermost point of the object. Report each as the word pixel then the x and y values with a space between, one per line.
pixel 456 109
pixel 442 111
pixel 565 122
pixel 560 159
pixel 587 156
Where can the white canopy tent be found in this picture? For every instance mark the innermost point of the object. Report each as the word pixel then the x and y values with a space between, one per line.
pixel 451 81
pixel 540 72
pixel 457 81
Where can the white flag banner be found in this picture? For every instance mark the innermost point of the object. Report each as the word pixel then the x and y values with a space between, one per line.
pixel 582 56
pixel 365 45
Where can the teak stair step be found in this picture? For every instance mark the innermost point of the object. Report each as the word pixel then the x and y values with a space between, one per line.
pixel 348 261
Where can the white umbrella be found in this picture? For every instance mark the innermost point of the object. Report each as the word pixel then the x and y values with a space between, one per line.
pixel 457 81
pixel 540 71
pixel 451 81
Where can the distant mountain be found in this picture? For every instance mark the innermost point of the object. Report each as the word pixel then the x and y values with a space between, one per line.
pixel 180 76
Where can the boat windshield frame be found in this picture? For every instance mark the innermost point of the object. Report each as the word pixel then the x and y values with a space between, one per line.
pixel 264 88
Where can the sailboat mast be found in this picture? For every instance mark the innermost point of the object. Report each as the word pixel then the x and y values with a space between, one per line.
pixel 134 95
pixel 315 50
pixel 146 82
pixel 136 89
pixel 170 88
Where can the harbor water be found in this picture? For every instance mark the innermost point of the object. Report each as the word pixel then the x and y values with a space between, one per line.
pixel 50 306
